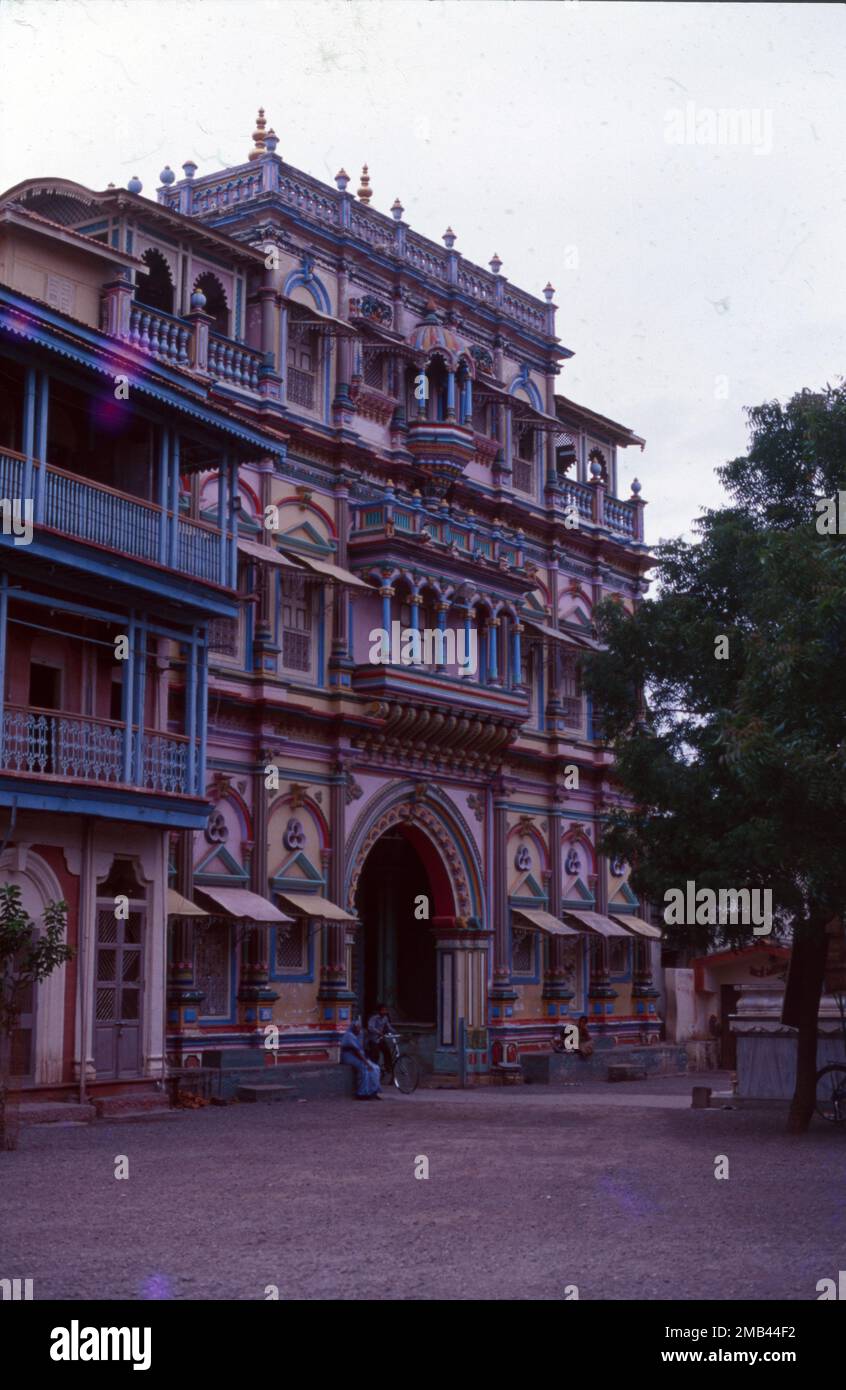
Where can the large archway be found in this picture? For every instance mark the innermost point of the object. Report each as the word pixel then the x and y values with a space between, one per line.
pixel 401 887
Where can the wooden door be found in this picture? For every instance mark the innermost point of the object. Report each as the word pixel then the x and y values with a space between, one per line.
pixel 118 994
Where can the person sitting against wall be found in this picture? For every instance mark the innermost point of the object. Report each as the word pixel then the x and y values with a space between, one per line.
pixel 585 1047
pixel 352 1055
pixel 378 1026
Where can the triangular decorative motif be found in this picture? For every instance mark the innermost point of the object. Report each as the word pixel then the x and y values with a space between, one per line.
pixel 220 865
pixel 578 892
pixel 297 868
pixel 306 535
pixel 624 895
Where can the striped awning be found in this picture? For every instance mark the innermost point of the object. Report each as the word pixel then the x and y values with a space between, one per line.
pixel 267 554
pixel 329 571
pixel 543 921
pixel 597 923
pixel 177 906
pixel 636 924
pixel 312 905
pixel 240 903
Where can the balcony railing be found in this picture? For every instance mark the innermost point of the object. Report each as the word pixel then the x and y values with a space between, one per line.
pixel 97 514
pixel 233 362
pixel 79 748
pixel 164 336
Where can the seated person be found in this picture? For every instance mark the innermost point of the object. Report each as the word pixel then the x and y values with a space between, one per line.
pixel 352 1055
pixel 378 1025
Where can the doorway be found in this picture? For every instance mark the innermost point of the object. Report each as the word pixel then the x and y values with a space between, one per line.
pixel 119 975
pixel 395 959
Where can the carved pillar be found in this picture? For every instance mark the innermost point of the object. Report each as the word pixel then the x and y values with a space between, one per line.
pixel 341 663
pixel 502 989
pixel 334 987
pixel 556 985
pixel 265 650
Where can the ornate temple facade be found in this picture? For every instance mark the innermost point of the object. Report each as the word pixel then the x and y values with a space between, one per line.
pixel 314 466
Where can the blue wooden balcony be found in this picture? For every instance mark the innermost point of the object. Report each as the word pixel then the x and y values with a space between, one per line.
pixel 78 748
pixel 100 516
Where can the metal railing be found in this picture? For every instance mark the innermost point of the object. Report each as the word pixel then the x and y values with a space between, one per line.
pixel 80 748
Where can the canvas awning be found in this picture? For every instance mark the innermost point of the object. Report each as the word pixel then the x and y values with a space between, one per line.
pixel 267 554
pixel 596 922
pixel 177 906
pixel 543 921
pixel 312 905
pixel 309 317
pixel 636 924
pixel 570 639
pixel 329 571
pixel 240 903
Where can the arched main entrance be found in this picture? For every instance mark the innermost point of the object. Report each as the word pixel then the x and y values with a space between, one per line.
pixel 395 960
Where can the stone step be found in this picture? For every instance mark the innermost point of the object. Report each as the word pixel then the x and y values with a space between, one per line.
pixel 259 1092
pixel 131 1103
pixel 48 1112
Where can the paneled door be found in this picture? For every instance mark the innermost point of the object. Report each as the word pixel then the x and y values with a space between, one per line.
pixel 118 988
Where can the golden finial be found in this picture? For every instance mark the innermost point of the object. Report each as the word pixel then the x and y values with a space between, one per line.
pixel 365 192
pixel 258 136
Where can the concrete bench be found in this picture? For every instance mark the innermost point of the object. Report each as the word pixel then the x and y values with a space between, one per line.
pixel 626 1071
pixel 259 1092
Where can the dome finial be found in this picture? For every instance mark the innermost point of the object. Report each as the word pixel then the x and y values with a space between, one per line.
pixel 365 192
pixel 258 136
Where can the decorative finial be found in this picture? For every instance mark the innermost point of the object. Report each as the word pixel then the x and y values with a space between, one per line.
pixel 595 468
pixel 365 192
pixel 189 168
pixel 342 178
pixel 636 486
pixel 448 238
pixel 271 140
pixel 167 176
pixel 258 136
pixel 548 292
pixel 135 185
pixel 397 210
pixel 198 299
pixel 495 264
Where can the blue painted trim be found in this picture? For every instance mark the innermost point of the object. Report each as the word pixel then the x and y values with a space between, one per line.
pixel 124 804
pixel 218 1020
pixel 304 977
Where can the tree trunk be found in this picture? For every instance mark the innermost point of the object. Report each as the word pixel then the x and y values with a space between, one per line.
pixel 807 966
pixel 7 1120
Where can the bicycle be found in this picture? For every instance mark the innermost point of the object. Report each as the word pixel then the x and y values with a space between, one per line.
pixel 831 1082
pixel 404 1071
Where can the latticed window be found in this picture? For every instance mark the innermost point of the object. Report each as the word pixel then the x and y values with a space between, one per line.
pixel 570 691
pixel 618 955
pixel 212 960
pixel 480 417
pixel 297 600
pixel 223 636
pixel 522 951
pixel 374 370
pixel 303 360
pixel 292 948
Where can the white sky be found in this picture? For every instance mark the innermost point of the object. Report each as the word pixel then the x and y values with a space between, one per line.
pixel 692 279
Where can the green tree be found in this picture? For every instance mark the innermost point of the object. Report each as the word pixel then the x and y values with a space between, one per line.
pixel 27 957
pixel 737 766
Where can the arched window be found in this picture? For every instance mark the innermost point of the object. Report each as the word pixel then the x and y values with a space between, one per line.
pixel 523 461
pixel 216 305
pixel 155 289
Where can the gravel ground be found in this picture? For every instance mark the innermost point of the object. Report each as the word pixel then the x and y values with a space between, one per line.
pixel 611 1188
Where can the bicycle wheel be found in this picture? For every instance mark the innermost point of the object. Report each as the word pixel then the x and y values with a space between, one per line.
pixel 831 1093
pixel 406 1075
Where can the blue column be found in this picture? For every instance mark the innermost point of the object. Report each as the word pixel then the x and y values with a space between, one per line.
pixel 442 622
pixel 202 714
pixel 493 632
pixel 414 605
pixel 450 395
pixel 233 525
pixel 140 697
pixel 174 504
pixel 28 432
pixel 191 710
pixel 483 634
pixel 128 700
pixel 164 492
pixel 516 655
pixel 222 514
pixel 4 613
pixel 387 594
pixel 41 446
